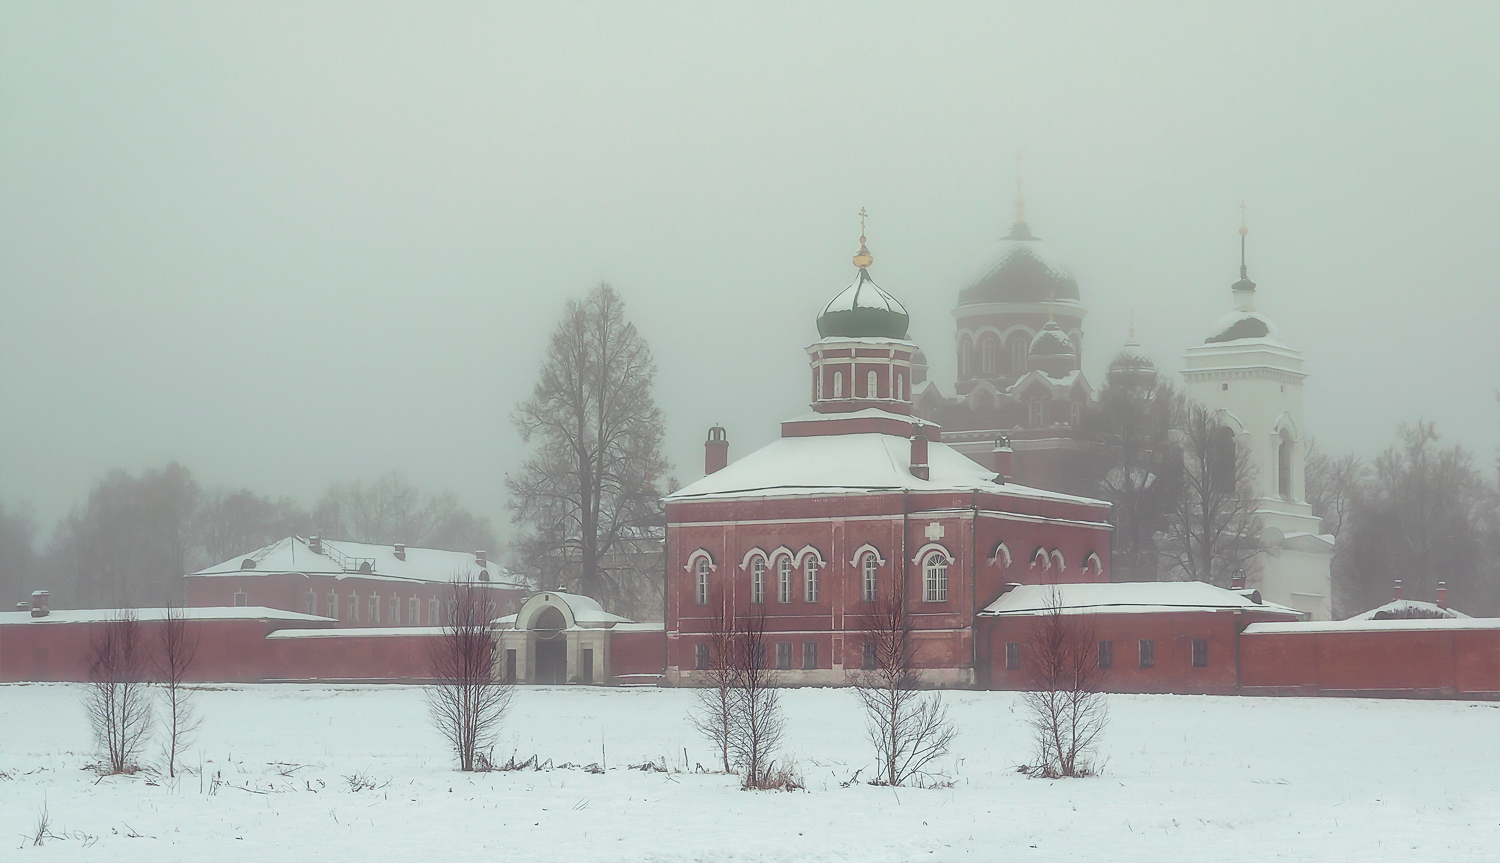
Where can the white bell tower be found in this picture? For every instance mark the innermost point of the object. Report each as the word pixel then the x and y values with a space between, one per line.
pixel 1252 382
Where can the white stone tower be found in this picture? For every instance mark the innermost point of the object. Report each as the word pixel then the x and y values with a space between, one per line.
pixel 1252 381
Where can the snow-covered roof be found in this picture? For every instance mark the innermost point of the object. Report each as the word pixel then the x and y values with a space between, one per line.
pixel 587 613
pixel 102 615
pixel 851 463
pixel 1355 625
pixel 861 414
pixel 1130 597
pixel 1059 384
pixel 864 309
pixel 359 632
pixel 363 560
pixel 1409 608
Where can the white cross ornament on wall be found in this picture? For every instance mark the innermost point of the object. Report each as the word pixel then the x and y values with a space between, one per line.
pixel 934 531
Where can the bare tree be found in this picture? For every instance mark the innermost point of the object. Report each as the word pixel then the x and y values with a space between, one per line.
pixel 233 522
pixel 1213 531
pixel 1067 711
pixel 758 722
pixel 176 650
pixel 596 476
pixel 391 509
pixel 1139 411
pixel 469 698
pixel 909 728
pixel 1336 484
pixel 118 696
pixel 715 699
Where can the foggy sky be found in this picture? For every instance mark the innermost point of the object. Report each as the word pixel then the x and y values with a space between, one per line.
pixel 284 244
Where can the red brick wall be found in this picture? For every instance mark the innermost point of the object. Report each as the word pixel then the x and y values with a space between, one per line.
pixel 228 650
pixel 637 652
pixel 384 657
pixel 1397 661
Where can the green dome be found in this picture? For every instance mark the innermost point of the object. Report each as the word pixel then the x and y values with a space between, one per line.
pixel 864 311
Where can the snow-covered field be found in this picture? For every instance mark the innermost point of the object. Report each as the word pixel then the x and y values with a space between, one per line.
pixel 1187 778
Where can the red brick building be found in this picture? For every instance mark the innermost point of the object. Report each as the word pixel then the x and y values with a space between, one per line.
pixel 857 499
pixel 355 583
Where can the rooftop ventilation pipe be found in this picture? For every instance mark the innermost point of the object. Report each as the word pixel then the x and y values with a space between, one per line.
pixel 315 544
pixel 41 603
pixel 715 451
pixel 1396 591
pixel 479 558
pixel 1443 595
pixel 1002 456
pixel 401 551
pixel 919 451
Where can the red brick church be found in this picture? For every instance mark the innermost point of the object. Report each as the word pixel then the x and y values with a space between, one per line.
pixel 858 498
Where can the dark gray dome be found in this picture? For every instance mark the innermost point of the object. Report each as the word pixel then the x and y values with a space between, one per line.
pixel 1022 270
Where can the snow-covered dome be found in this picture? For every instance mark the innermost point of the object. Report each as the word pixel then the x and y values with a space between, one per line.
pixel 1131 365
pixel 1022 269
pixel 1051 341
pixel 864 309
pixel 1239 325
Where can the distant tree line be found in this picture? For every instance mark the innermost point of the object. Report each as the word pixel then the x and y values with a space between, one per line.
pixel 131 542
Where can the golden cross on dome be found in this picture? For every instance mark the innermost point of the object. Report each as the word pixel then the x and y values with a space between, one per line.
pixel 862 215
pixel 864 258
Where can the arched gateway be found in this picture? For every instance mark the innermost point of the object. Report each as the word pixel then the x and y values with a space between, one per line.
pixel 557 638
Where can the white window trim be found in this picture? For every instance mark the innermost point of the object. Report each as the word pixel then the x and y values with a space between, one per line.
pixel 701 579
pixel 758 591
pixel 869 577
pixel 810 573
pixel 1040 557
pixel 750 555
pixel 922 553
pixel 1057 558
pixel 1094 561
pixel 692 561
pixel 784 578
pixel 1001 556
pixel 935 579
pixel 863 550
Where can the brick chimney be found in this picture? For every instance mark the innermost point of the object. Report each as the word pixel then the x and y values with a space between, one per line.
pixel 1443 595
pixel 1396 591
pixel 918 451
pixel 401 551
pixel 715 451
pixel 1002 460
pixel 41 603
pixel 1237 581
pixel 479 558
pixel 315 544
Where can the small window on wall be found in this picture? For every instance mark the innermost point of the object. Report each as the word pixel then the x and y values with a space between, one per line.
pixel 1148 653
pixel 872 385
pixel 240 599
pixel 809 655
pixel 353 606
pixel 374 608
pixel 333 605
pixel 838 385
pixel 935 578
pixel 870 586
pixel 395 611
pixel 1106 654
pixel 310 603
pixel 432 612
pixel 784 655
pixel 900 387
pixel 867 656
pixel 784 580
pixel 1012 655
pixel 810 580
pixel 701 594
pixel 700 656
pixel 1200 653
pixel 758 581
pixel 414 612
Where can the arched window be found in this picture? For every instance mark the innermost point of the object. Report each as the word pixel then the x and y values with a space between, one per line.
pixel 1018 348
pixel 784 580
pixel 900 386
pixel 872 385
pixel 987 356
pixel 701 594
pixel 758 580
pixel 1284 466
pixel 935 578
pixel 965 358
pixel 810 580
pixel 1221 458
pixel 838 385
pixel 870 585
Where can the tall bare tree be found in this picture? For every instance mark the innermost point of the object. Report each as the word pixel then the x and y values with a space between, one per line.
pixel 596 475
pixel 391 509
pixel 176 650
pixel 118 697
pixel 1336 484
pixel 1138 411
pixel 758 721
pixel 16 554
pixel 1213 531
pixel 233 522
pixel 1067 710
pixel 714 707
pixel 909 728
pixel 469 697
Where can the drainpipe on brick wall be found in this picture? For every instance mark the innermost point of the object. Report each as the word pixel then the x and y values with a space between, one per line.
pixel 666 572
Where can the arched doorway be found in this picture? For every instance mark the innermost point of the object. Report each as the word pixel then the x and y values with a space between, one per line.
pixel 551 646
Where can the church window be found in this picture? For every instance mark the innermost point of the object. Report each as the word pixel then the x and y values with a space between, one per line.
pixel 987 351
pixel 702 586
pixel 1222 457
pixel 809 655
pixel 374 608
pixel 1148 653
pixel 784 580
pixel 353 606
pixel 395 611
pixel 872 385
pixel 1284 466
pixel 333 605
pixel 414 612
pixel 810 580
pixel 1200 653
pixel 965 358
pixel 758 580
pixel 838 385
pixel 1018 348
pixel 871 584
pixel 240 599
pixel 432 612
pixel 936 578
pixel 1106 654
pixel 1013 655
pixel 784 655
pixel 700 656
pixel 900 387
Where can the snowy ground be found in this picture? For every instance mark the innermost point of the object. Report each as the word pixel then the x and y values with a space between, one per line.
pixel 1187 778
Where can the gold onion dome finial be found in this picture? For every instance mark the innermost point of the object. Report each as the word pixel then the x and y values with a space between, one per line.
pixel 863 259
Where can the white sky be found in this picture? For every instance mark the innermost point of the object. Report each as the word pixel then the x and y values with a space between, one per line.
pixel 284 243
